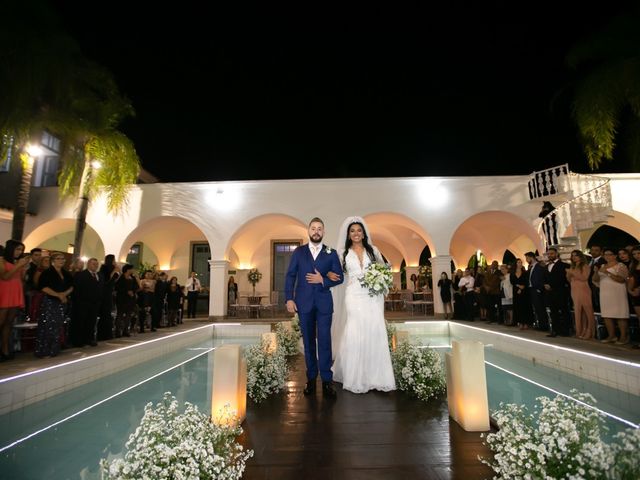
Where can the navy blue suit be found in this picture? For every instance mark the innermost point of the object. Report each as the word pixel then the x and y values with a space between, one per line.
pixel 315 305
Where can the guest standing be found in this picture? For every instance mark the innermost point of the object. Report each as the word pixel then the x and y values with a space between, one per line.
pixel 57 284
pixel 126 288
pixel 193 290
pixel 232 292
pixel 578 277
pixel 174 301
pixel 506 297
pixel 612 277
pixel 536 276
pixel 109 274
pixel 12 267
pixel 445 294
pixel 87 294
pixel 159 297
pixel 557 293
pixel 521 303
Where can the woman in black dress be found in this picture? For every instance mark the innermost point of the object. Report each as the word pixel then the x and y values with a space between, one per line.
pixel 109 273
pixel 174 301
pixel 445 294
pixel 521 306
pixel 57 284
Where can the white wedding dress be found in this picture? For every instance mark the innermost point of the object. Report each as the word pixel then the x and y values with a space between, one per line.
pixel 362 357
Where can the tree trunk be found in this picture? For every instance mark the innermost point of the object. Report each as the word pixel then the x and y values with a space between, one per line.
pixel 83 208
pixel 22 202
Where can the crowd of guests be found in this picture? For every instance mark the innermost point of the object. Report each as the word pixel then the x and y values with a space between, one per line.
pixel 76 304
pixel 544 294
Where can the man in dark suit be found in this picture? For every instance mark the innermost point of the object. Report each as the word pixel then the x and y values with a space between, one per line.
pixel 537 278
pixel 87 295
pixel 313 270
pixel 557 294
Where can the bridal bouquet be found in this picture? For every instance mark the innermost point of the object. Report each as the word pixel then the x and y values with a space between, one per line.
pixel 170 444
pixel 377 279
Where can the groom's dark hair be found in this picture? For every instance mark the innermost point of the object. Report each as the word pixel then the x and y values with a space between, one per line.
pixel 316 219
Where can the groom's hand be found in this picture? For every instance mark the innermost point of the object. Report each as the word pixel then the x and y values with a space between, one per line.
pixel 291 306
pixel 314 277
pixel 334 277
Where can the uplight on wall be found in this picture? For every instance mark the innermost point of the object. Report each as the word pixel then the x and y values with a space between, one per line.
pixel 224 197
pixel 433 193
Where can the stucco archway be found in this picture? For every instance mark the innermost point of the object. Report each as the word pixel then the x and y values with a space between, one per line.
pixel 492 232
pixel 59 234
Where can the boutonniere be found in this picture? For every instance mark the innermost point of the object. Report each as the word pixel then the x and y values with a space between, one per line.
pixel 328 250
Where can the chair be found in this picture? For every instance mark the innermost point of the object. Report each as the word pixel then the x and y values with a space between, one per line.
pixel 272 304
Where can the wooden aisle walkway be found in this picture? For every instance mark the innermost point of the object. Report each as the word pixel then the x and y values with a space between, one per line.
pixel 371 436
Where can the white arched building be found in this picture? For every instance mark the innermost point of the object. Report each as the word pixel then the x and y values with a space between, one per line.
pixel 242 221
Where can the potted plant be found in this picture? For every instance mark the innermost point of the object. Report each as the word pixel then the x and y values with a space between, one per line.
pixel 254 277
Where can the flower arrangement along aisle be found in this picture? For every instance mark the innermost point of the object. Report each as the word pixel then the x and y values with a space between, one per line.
pixel 418 371
pixel 288 339
pixel 173 445
pixel 560 439
pixel 254 276
pixel 266 372
pixel 377 278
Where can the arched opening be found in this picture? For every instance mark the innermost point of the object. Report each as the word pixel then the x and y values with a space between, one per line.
pixel 508 258
pixel 425 277
pixel 612 237
pixel 58 235
pixel 492 233
pixel 266 243
pixel 170 244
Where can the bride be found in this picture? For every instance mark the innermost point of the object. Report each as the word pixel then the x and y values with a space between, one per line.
pixel 359 335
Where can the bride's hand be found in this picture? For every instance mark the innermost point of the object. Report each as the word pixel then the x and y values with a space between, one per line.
pixel 334 277
pixel 314 277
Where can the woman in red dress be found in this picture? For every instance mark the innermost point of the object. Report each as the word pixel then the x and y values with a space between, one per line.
pixel 12 267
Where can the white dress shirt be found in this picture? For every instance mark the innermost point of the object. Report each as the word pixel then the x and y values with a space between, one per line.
pixel 315 249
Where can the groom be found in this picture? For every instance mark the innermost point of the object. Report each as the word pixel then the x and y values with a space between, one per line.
pixel 314 269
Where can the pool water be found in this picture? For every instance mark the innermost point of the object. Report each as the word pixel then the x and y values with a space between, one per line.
pixel 66 436
pixel 517 380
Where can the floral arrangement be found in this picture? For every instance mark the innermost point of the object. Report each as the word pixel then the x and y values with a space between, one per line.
pixel 377 279
pixel 295 325
pixel 254 276
pixel 172 445
pixel 266 372
pixel 560 439
pixel 288 339
pixel 418 371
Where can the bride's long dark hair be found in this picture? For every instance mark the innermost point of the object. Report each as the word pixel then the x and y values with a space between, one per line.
pixel 365 244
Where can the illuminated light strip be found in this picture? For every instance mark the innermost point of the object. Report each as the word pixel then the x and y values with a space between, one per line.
pixel 135 345
pixel 13 444
pixel 558 347
pixel 631 424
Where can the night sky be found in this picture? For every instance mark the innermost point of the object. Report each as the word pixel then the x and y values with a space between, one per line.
pixel 320 91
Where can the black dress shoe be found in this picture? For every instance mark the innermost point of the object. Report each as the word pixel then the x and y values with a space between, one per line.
pixel 328 390
pixel 310 388
pixel 552 334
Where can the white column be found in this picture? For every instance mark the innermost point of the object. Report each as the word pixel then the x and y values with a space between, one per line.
pixel 439 264
pixel 218 288
pixel 410 271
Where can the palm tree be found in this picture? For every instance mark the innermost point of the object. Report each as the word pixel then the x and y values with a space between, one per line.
pixel 97 157
pixel 45 83
pixel 606 105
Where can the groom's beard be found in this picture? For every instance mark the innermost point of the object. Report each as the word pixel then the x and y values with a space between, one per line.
pixel 315 238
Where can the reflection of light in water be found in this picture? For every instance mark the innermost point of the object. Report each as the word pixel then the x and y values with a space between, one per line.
pixel 610 415
pixel 86 409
